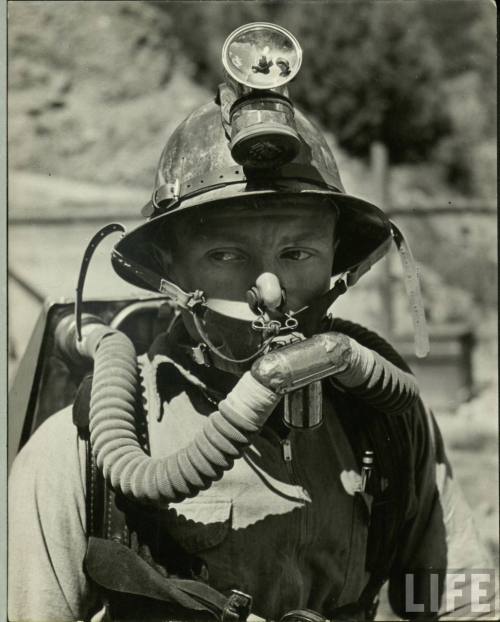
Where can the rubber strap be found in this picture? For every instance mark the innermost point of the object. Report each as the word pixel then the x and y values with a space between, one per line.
pixel 412 286
pixel 87 256
pixel 185 300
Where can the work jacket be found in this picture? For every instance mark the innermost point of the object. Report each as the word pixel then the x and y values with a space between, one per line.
pixel 286 524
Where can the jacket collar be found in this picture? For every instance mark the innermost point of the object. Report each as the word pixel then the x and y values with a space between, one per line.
pixel 173 347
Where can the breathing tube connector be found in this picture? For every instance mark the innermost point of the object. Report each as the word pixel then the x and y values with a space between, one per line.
pixel 352 366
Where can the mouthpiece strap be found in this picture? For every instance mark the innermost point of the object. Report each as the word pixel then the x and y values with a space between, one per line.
pixel 185 300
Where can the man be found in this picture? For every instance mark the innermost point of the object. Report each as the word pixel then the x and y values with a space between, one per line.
pixel 219 494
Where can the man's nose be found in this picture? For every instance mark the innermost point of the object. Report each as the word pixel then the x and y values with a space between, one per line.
pixel 265 260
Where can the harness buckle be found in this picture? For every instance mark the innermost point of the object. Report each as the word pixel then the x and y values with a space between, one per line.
pixel 200 355
pixel 195 299
pixel 237 608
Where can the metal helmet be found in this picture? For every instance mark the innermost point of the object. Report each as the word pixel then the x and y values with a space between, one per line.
pixel 197 169
pixel 248 144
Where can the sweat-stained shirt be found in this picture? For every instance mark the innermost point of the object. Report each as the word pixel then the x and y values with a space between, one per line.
pixel 284 524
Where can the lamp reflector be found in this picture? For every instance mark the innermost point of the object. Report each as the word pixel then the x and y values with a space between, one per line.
pixel 261 55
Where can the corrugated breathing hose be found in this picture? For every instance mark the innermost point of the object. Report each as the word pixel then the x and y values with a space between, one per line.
pixel 118 453
pixel 227 431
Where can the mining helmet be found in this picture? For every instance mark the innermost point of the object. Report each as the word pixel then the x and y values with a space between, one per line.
pixel 197 169
pixel 252 142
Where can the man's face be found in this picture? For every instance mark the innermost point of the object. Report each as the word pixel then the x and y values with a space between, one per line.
pixel 225 252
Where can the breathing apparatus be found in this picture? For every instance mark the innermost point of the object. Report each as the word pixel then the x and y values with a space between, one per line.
pixel 248 146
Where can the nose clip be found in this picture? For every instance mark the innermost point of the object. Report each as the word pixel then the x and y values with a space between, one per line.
pixel 266 299
pixel 266 295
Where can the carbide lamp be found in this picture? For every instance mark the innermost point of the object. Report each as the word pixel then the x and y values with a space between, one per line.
pixel 259 60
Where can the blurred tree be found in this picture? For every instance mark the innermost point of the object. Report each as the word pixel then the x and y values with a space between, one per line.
pixel 472 46
pixel 203 26
pixel 371 77
pixel 469 72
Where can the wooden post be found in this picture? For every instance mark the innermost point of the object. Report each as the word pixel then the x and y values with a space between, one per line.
pixel 380 181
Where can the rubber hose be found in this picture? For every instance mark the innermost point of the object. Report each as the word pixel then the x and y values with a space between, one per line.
pixel 370 339
pixel 225 435
pixel 226 432
pixel 389 390
pixel 377 381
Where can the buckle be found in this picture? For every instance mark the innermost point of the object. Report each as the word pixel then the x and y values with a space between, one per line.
pixel 166 196
pixel 237 608
pixel 201 355
pixel 195 299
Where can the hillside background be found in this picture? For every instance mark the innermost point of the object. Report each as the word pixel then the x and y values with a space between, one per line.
pixel 96 88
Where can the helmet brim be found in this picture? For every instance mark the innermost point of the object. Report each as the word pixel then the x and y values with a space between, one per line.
pixel 363 230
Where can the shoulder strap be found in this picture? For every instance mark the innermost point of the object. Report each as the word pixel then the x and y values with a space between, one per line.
pixel 103 517
pixel 389 438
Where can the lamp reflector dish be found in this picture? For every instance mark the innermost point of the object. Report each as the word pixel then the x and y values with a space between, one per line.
pixel 261 55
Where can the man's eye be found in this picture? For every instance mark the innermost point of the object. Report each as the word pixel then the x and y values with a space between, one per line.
pixel 226 256
pixel 296 254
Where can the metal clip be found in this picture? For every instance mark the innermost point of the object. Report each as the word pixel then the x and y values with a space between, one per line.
pixel 186 300
pixel 195 298
pixel 166 196
pixel 237 608
pixel 274 327
pixel 366 469
pixel 286 446
pixel 201 355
